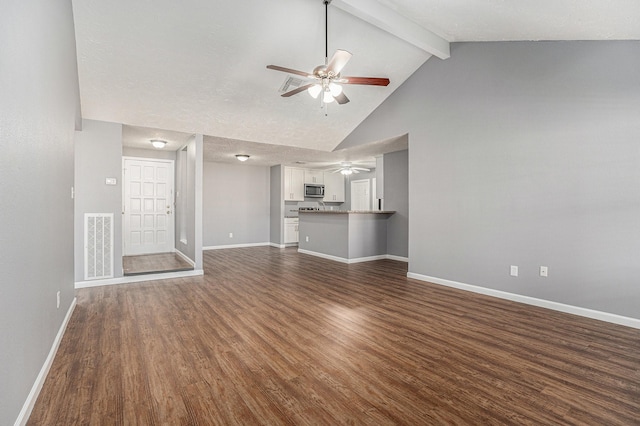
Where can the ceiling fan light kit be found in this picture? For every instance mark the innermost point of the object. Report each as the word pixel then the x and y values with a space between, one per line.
pixel 346 168
pixel 326 78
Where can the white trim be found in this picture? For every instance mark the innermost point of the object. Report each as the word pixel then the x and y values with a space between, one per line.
pixel 556 306
pixel 37 386
pixel 387 19
pixel 398 258
pixel 159 160
pixel 185 257
pixel 353 260
pixel 235 246
pixel 277 245
pixel 139 278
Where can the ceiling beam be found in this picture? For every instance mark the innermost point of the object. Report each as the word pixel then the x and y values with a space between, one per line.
pixel 390 21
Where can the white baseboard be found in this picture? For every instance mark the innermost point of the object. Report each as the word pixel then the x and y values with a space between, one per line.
pixel 398 258
pixel 353 260
pixel 235 246
pixel 185 257
pixel 556 306
pixel 139 278
pixel 37 386
pixel 277 245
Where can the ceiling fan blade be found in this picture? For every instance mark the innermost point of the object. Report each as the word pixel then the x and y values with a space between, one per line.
pixel 289 70
pixel 370 81
pixel 361 168
pixel 296 91
pixel 341 98
pixel 338 61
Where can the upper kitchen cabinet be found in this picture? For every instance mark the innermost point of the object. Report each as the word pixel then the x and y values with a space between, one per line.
pixel 333 188
pixel 293 184
pixel 313 176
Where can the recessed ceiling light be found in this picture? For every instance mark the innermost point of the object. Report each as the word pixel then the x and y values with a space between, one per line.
pixel 242 157
pixel 157 143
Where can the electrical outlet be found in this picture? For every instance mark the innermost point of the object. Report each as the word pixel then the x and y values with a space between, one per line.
pixel 514 271
pixel 544 271
pixel 230 234
pixel 58 299
pixel 306 238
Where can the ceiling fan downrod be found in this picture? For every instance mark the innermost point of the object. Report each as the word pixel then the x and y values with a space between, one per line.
pixel 326 32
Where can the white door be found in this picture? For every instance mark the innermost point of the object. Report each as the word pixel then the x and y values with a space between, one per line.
pixel 360 196
pixel 148 206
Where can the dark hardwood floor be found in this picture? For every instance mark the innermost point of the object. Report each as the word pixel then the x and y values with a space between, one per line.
pixel 154 263
pixel 270 336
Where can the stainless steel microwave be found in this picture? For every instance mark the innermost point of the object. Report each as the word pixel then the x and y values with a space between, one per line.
pixel 313 190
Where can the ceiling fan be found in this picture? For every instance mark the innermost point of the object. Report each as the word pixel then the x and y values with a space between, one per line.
pixel 326 79
pixel 347 168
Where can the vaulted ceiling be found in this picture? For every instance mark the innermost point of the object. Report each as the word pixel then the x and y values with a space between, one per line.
pixel 197 66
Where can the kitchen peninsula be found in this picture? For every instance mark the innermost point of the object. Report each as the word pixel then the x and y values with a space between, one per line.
pixel 344 236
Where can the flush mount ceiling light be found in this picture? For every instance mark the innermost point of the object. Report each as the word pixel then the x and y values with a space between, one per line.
pixel 158 144
pixel 242 157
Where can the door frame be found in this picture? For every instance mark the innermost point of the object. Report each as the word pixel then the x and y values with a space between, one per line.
pixel 172 236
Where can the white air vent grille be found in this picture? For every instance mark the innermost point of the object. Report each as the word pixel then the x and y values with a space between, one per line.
pixel 291 83
pixel 98 246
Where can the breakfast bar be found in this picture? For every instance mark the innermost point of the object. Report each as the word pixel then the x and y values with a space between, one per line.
pixel 344 236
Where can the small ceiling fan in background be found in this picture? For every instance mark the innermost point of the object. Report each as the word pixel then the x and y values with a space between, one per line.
pixel 347 168
pixel 326 79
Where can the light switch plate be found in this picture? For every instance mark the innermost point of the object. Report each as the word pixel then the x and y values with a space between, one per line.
pixel 544 271
pixel 111 181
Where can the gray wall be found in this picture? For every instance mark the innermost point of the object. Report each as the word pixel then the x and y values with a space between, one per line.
pixel 98 155
pixel 276 205
pixel 38 110
pixel 396 197
pixel 367 235
pixel 160 154
pixel 524 153
pixel 236 200
pixel 328 233
pixel 189 185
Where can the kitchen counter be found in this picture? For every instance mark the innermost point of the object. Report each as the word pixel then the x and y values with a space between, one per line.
pixel 344 236
pixel 348 211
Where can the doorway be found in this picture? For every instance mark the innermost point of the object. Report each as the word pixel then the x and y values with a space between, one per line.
pixel 360 195
pixel 148 206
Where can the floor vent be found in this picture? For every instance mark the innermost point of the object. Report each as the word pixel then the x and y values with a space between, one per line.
pixel 98 246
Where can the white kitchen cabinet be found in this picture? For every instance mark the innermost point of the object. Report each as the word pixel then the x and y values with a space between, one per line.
pixel 290 230
pixel 333 188
pixel 313 176
pixel 293 184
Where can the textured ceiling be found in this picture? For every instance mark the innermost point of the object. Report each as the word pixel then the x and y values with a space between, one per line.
pixel 503 20
pixel 198 66
pixel 224 150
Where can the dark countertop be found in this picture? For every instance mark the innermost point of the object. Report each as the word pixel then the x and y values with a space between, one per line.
pixel 347 211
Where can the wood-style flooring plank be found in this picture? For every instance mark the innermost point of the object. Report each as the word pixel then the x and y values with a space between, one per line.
pixel 271 336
